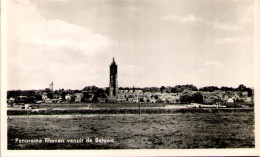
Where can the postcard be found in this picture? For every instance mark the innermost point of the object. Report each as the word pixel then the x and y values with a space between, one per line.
pixel 129 77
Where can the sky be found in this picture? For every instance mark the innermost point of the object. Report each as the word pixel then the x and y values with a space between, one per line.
pixel 154 42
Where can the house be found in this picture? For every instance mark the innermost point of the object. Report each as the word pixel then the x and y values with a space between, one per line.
pixel 158 94
pixel 244 94
pixel 78 97
pixel 121 100
pixel 152 100
pixel 131 95
pixel 145 99
pixel 48 100
pixel 136 100
pixel 138 93
pixel 88 95
pixel 225 98
pixel 172 98
pixel 68 97
pixel 130 98
pixel 122 94
pixel 44 97
pixel 188 91
pixel 120 91
pixel 248 99
pixel 230 100
pixel 56 95
pixel 102 99
pixel 59 100
pixel 11 100
pixel 162 99
pixel 147 95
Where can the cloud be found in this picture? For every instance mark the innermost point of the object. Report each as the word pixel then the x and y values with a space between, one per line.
pixel 231 40
pixel 247 16
pixel 228 26
pixel 189 18
pixel 132 11
pixel 213 63
pixel 248 10
pixel 242 19
pixel 57 35
pixel 202 70
pixel 132 8
pixel 46 50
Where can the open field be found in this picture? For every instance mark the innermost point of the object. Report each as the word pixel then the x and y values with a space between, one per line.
pixel 104 105
pixel 130 131
pixel 97 105
pixel 116 108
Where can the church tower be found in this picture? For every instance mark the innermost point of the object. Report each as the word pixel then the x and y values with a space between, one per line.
pixel 113 86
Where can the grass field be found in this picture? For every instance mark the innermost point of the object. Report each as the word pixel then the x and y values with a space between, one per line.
pixel 96 105
pixel 116 108
pixel 130 131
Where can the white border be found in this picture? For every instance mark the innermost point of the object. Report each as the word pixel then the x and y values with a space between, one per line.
pixel 154 152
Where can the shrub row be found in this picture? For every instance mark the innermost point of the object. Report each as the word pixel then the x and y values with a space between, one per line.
pixel 126 111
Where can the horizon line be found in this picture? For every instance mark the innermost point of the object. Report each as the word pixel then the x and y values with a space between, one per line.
pixel 137 87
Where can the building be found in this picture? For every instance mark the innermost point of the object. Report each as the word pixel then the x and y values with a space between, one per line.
pixel 131 95
pixel 51 86
pixel 68 97
pixel 113 84
pixel 78 97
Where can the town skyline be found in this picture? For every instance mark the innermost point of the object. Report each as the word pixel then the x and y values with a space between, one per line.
pixel 155 43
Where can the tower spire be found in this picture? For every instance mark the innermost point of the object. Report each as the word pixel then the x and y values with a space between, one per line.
pixel 113 85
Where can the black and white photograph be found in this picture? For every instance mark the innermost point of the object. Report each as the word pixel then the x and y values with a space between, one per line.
pixel 129 74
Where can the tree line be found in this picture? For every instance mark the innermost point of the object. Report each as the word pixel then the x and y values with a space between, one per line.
pixel 101 92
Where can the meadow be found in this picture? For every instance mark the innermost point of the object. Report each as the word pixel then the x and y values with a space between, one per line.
pixel 179 130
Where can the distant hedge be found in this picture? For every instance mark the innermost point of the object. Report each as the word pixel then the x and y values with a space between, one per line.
pixel 127 111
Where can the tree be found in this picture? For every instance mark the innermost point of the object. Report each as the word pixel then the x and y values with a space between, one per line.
pixel 181 88
pixel 241 87
pixel 47 90
pixel 156 97
pixel 197 97
pixel 209 88
pixel 107 90
pixel 90 88
pixel 185 98
pixel 250 92
pixel 99 94
pixel 38 97
pixel 168 89
pixel 87 96
pixel 72 98
pixel 224 88
pixel 162 89
pixel 50 95
pixel 63 94
pixel 13 93
pixel 30 100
